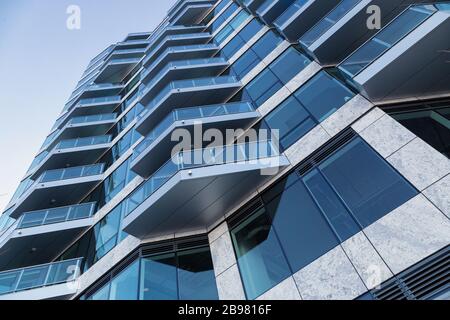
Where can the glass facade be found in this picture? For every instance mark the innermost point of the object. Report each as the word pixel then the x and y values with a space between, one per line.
pixel 177 275
pixel 304 216
pixel 308 106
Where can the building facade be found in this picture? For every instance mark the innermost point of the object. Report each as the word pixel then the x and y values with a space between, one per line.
pixel 346 197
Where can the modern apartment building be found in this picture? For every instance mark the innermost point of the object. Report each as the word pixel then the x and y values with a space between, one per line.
pixel 347 197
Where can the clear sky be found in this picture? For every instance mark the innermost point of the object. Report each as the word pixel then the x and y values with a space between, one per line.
pixel 41 61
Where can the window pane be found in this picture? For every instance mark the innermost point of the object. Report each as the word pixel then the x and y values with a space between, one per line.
pixel 125 285
pixel 196 278
pixel 303 231
pixel 245 63
pixel 330 205
pixel 263 87
pixel 292 120
pixel 101 295
pixel 323 95
pixel 159 278
pixel 267 44
pixel 289 64
pixel 260 258
pixel 367 184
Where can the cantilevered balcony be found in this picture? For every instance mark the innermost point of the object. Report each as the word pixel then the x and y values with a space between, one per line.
pixel 128 53
pixel 83 126
pixel 38 236
pixel 171 54
pixel 301 16
pixel 272 9
pixel 116 70
pixel 59 187
pixel 175 40
pixel 73 152
pixel 194 189
pixel 185 93
pixel 184 69
pixel 407 58
pixel 344 29
pixel 102 90
pixel 168 30
pixel 43 282
pixel 91 106
pixel 190 12
pixel 151 153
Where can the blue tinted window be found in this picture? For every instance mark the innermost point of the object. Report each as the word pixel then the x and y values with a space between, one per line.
pixel 267 44
pixel 263 87
pixel 125 285
pixel 196 279
pixel 330 205
pixel 245 64
pixel 260 258
pixel 289 64
pixel 292 121
pixel 241 38
pixel 234 24
pixel 367 184
pixel 304 233
pixel 323 95
pixel 159 278
pixel 224 16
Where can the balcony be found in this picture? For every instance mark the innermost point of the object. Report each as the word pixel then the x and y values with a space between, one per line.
pixel 37 236
pixel 84 126
pixel 176 40
pixel 102 90
pixel 301 16
pixel 59 187
pixel 190 12
pixel 116 70
pixel 407 58
pixel 196 51
pixel 272 9
pixel 73 152
pixel 128 53
pixel 43 282
pixel 185 93
pixel 184 69
pixel 195 188
pixel 153 150
pixel 159 36
pixel 340 33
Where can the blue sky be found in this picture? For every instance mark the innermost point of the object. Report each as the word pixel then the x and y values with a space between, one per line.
pixel 41 61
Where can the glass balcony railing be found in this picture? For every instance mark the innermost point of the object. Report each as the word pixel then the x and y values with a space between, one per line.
pixel 328 21
pixel 124 61
pixel 385 39
pixel 200 158
pixel 101 100
pixel 183 84
pixel 71 173
pixel 178 49
pixel 129 51
pixel 83 142
pixel 191 114
pixel 286 15
pixel 184 63
pixel 102 86
pixel 56 215
pixel 39 276
pixel 174 37
pixel 93 118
